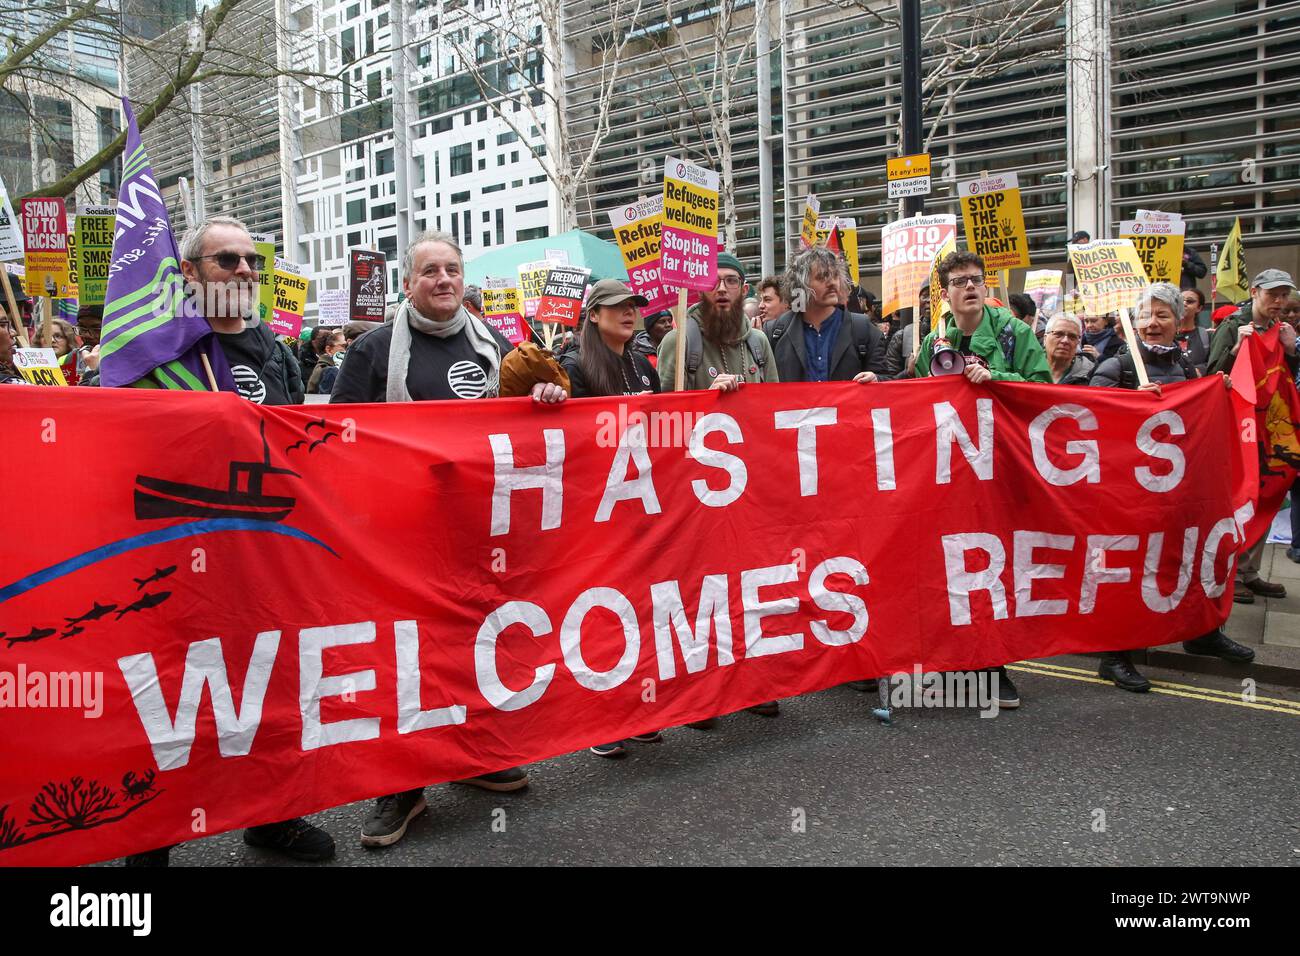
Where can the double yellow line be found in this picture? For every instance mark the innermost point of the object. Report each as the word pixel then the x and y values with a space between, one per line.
pixel 1275 704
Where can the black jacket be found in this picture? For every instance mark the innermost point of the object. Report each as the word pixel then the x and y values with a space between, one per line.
pixel 641 375
pixel 1193 268
pixel 859 347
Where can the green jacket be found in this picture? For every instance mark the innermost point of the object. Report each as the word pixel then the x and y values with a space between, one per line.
pixel 1028 360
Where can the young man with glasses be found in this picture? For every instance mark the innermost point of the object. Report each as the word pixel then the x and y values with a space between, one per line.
pixel 723 350
pixel 221 269
pixel 995 346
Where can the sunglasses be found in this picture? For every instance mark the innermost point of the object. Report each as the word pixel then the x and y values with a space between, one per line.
pixel 229 261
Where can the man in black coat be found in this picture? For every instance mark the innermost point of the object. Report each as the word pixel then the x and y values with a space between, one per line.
pixel 819 340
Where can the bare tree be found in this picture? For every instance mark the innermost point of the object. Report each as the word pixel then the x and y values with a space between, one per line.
pixel 38 66
pixel 516 56
pixel 704 86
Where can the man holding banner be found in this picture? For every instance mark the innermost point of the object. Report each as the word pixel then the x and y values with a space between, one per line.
pixel 994 346
pixel 221 266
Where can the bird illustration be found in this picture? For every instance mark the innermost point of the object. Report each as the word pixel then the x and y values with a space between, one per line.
pixel 35 634
pixel 321 441
pixel 148 601
pixel 319 423
pixel 297 444
pixel 94 614
pixel 71 632
pixel 158 575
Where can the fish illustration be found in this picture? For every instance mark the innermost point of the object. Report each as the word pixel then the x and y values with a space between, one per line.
pixel 158 575
pixel 148 601
pixel 94 614
pixel 35 634
pixel 71 632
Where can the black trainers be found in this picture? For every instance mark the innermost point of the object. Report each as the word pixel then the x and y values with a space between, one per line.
pixel 1217 644
pixel 294 838
pixel 1119 669
pixel 616 749
pixel 159 857
pixel 649 737
pixel 503 781
pixel 864 686
pixel 770 708
pixel 387 822
pixel 1008 699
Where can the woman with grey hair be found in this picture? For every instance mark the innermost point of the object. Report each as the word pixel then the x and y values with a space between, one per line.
pixel 1158 311
pixel 1061 342
pixel 821 339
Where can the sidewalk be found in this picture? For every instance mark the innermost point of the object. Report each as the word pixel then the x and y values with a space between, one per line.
pixel 1270 626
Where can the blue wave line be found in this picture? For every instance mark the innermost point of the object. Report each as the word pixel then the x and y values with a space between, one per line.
pixel 161 536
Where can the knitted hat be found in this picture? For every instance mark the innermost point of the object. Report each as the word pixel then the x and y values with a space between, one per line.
pixel 727 261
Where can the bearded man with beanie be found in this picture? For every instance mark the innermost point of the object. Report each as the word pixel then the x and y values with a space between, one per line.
pixel 432 349
pixel 723 350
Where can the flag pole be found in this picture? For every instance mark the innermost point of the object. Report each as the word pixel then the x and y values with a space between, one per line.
pixel 207 369
pixel 1138 363
pixel 47 313
pixel 15 315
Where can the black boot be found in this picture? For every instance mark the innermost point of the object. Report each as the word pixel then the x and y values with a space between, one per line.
pixel 1217 644
pixel 1117 666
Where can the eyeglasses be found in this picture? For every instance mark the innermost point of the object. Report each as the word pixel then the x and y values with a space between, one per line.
pixel 1072 336
pixel 229 261
pixel 958 282
pixel 731 282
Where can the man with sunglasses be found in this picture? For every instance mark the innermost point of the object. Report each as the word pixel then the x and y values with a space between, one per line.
pixel 221 269
pixel 995 346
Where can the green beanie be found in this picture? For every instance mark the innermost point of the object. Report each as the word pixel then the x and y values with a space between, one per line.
pixel 305 334
pixel 727 261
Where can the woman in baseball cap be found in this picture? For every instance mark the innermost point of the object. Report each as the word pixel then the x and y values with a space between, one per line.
pixel 604 363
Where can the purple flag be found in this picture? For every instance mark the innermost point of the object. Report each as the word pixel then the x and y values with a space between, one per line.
pixel 153 336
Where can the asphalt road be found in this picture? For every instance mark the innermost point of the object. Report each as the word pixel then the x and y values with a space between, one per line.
pixel 1189 776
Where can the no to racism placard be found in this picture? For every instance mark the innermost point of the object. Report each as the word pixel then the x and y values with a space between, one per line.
pixel 290 297
pixel 367 285
pixel 637 230
pixel 94 243
pixel 994 221
pixel 45 241
pixel 562 295
pixel 908 247
pixel 1109 273
pixel 503 309
pixel 1159 244
pixel 260 703
pixel 689 238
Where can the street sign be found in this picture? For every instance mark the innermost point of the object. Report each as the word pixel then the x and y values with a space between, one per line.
pixel 908 176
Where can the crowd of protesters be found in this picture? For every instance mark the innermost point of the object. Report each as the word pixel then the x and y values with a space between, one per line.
pixel 812 324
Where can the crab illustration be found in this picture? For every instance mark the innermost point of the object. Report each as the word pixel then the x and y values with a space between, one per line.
pixel 136 789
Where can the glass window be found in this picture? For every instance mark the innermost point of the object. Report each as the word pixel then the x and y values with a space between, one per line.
pixel 462 159
pixel 384 162
pixel 356 213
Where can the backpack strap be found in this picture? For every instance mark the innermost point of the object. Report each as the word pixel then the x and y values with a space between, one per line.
pixel 759 354
pixel 780 327
pixel 861 331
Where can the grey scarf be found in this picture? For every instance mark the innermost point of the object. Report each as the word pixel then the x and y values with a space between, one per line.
pixel 399 351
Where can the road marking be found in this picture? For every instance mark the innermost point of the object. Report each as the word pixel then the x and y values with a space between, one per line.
pixel 1293 710
pixel 1234 694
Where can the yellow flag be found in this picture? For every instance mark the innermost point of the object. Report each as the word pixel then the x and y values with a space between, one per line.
pixel 1233 283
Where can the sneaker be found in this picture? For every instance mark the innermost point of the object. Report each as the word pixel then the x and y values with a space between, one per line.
pixel 1241 594
pixel 649 737
pixel 1008 699
pixel 616 749
pixel 1119 669
pixel 1293 554
pixel 1266 588
pixel 769 708
pixel 503 781
pixel 295 838
pixel 387 822
pixel 864 686
pixel 705 724
pixel 159 857
pixel 1217 644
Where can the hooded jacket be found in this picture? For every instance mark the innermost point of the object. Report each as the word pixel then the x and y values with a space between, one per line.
pixel 997 326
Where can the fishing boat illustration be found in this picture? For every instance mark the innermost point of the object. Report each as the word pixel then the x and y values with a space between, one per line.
pixel 160 498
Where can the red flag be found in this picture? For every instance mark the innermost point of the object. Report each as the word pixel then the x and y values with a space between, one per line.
pixel 833 240
pixel 1268 405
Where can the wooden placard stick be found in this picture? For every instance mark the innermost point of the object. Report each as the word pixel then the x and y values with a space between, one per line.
pixel 679 376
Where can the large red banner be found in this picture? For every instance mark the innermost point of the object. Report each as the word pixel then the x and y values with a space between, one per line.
pixel 263 612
